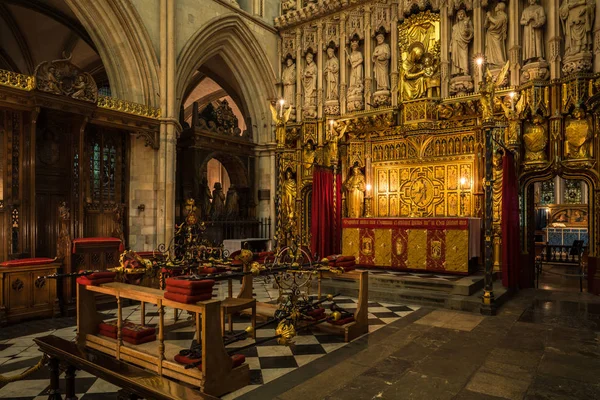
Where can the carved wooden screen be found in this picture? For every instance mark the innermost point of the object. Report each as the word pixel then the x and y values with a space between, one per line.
pixel 105 167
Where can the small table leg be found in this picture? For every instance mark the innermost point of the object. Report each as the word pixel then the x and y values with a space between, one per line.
pixel 70 380
pixel 53 366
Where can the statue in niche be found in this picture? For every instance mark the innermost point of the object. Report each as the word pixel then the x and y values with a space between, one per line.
pixel 332 69
pixel 495 35
pixel 288 78
pixel 535 140
pixel 308 157
pixel 462 34
pixel 288 196
pixel 205 198
pixel 578 21
pixel 533 20
pixel 355 187
pixel 578 135
pixel 420 73
pixel 381 60
pixel 232 205
pixel 218 202
pixel 309 82
pixel 280 119
pixel 356 86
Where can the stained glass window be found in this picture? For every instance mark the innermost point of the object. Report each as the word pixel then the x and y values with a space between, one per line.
pixel 547 193
pixel 572 191
pixel 103 169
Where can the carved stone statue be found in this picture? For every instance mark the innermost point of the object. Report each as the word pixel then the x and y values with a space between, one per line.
pixel 578 134
pixel 205 198
pixel 309 82
pixel 52 82
pixel 462 34
pixel 218 202
pixel 288 78
pixel 381 61
pixel 79 88
pixel 355 187
pixel 577 18
pixel 495 36
pixel 288 196
pixel 356 86
pixel 332 69
pixel 535 140
pixel 533 20
pixel 232 206
pixel 287 6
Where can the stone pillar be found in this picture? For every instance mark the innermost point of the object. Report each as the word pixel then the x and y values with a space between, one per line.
pixel 596 36
pixel 514 42
pixel 299 74
pixel 368 63
pixel 343 63
pixel 554 38
pixel 445 32
pixel 319 61
pixel 394 81
pixel 169 127
pixel 478 42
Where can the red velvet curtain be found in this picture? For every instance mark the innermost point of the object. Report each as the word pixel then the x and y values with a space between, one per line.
pixel 510 223
pixel 325 223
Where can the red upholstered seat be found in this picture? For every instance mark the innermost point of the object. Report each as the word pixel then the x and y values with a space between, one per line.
pixel 183 282
pixel 182 298
pixel 91 240
pixel 128 328
pixel 27 262
pixel 236 360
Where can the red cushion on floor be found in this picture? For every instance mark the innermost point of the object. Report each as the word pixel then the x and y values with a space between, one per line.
pixel 142 340
pixel 129 328
pixel 27 262
pixel 83 280
pixel 108 334
pixel 207 270
pixel 182 298
pixel 188 292
pixel 343 321
pixel 107 240
pixel 185 283
pixel 236 360
pixel 315 312
pixel 346 265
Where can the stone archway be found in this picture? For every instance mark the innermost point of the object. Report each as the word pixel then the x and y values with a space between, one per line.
pixel 230 40
pixel 124 47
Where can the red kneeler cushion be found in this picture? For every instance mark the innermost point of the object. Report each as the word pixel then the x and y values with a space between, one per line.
pixel 188 284
pixel 27 262
pixel 84 280
pixel 100 275
pixel 346 265
pixel 236 360
pixel 207 270
pixel 182 298
pixel 187 292
pixel 130 329
pixel 96 240
pixel 128 339
pixel 343 321
pixel 317 313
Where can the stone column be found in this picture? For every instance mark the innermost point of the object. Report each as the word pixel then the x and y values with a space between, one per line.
pixel 319 62
pixel 299 67
pixel 596 36
pixel 445 29
pixel 367 59
pixel 514 42
pixel 343 63
pixel 478 42
pixel 394 59
pixel 554 38
pixel 169 127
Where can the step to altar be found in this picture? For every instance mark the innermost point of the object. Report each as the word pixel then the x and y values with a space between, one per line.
pixel 452 292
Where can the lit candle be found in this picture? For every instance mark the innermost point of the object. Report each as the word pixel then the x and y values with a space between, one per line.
pixel 368 188
pixel 281 103
pixel 512 100
pixel 479 62
pixel 463 180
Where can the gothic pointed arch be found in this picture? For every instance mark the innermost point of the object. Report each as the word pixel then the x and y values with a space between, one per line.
pixel 124 46
pixel 230 40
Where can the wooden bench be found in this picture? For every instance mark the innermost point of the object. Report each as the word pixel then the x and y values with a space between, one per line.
pixel 22 294
pixel 217 375
pixel 136 382
pixel 561 255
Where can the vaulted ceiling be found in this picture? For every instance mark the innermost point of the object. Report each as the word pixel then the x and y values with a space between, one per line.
pixel 34 31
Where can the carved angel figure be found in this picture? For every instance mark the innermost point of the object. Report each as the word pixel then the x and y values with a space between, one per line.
pixel 280 120
pixel 79 88
pixel 52 82
pixel 512 113
pixel 487 91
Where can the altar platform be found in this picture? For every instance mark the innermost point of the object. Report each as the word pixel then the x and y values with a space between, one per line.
pixel 438 245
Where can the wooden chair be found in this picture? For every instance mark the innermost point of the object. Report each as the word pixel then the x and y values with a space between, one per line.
pixel 232 305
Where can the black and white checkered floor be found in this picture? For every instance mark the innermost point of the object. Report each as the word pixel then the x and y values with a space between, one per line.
pixel 267 361
pixel 409 274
